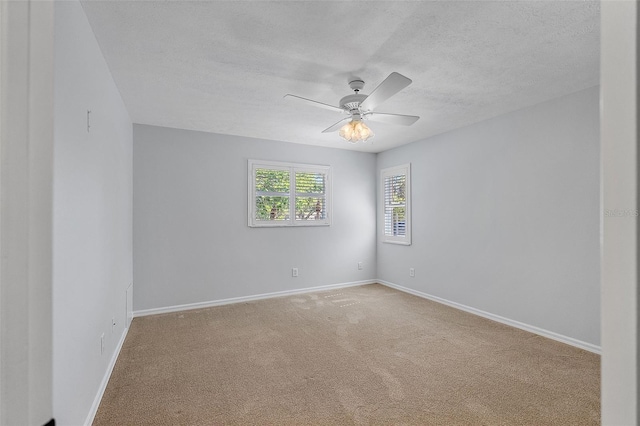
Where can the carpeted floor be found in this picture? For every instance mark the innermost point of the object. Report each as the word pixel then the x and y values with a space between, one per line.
pixel 359 355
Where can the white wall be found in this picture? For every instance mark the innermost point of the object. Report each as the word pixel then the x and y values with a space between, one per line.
pixel 506 217
pixel 92 216
pixel 191 239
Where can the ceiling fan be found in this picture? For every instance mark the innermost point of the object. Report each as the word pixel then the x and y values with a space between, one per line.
pixel 360 107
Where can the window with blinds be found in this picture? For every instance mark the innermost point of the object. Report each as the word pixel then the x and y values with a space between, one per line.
pixel 287 194
pixel 311 202
pixel 395 186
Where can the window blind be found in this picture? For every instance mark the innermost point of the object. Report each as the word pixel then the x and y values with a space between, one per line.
pixel 272 194
pixel 395 207
pixel 310 196
pixel 396 212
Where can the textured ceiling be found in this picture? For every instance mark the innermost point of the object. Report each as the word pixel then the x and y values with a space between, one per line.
pixel 224 66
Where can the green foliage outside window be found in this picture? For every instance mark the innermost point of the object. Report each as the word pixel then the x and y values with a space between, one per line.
pixel 268 180
pixel 288 194
pixel 310 196
pixel 273 190
pixel 272 194
pixel 398 188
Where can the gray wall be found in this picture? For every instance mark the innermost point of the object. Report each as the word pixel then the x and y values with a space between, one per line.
pixel 620 106
pixel 26 151
pixel 191 239
pixel 506 217
pixel 92 216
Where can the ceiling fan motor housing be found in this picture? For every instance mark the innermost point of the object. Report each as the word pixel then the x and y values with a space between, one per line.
pixel 351 103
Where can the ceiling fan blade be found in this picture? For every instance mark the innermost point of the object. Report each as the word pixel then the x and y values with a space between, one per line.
pixel 336 126
pixel 403 120
pixel 389 87
pixel 315 103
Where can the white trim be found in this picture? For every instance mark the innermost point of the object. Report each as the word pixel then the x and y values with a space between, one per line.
pixel 211 303
pixel 3 36
pixel 200 305
pixel 26 142
pixel 530 328
pixel 619 189
pixel 105 380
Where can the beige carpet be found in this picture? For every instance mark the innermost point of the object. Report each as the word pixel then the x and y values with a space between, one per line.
pixel 360 355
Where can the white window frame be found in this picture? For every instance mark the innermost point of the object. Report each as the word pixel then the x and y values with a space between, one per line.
pixel 404 169
pixel 253 165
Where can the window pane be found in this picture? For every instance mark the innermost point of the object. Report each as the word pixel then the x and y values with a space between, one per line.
pixel 310 208
pixel 396 195
pixel 272 180
pixel 395 189
pixel 272 208
pixel 395 221
pixel 310 183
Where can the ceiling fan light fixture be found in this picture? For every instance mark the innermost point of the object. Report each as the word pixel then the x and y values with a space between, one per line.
pixel 360 106
pixel 355 131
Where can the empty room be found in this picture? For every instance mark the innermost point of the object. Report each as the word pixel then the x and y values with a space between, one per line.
pixel 319 212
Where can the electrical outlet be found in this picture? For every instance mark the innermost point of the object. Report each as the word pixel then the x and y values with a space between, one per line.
pixel 360 266
pixel 102 344
pixel 294 272
pixel 412 272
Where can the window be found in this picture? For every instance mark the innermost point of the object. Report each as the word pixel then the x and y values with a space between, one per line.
pixel 286 194
pixel 396 193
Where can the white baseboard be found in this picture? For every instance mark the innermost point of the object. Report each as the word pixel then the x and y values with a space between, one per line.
pixel 530 328
pixel 208 304
pixel 105 380
pixel 545 333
